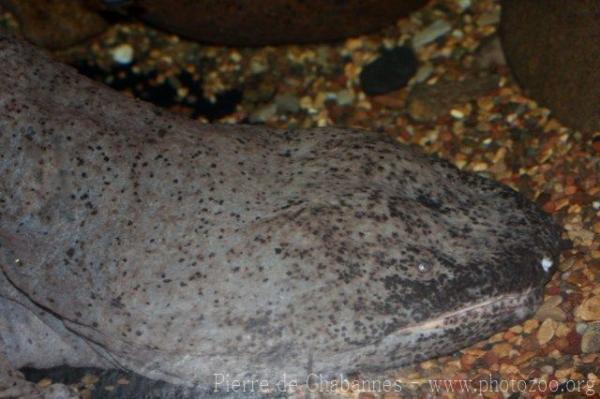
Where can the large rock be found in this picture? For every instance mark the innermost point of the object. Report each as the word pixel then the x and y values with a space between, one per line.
pixel 55 24
pixel 553 49
pixel 246 22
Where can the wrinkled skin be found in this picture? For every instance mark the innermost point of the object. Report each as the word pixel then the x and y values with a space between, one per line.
pixel 130 237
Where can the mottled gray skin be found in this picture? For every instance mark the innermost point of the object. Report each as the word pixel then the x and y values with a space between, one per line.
pixel 133 237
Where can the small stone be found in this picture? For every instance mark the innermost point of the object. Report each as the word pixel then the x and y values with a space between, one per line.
pixel 546 331
pixel 287 103
pixel 562 330
pixel 428 364
pixel 516 329
pixel 590 341
pixel 437 29
pixel 464 4
pixel 524 357
pixel 502 349
pixel 44 382
pixel 490 53
pixel 423 73
pixel 553 300
pixel 390 71
pixel 563 373
pixel 508 369
pixel 467 361
pixel 263 113
pixel 548 311
pixel 530 325
pixel 580 328
pixel 393 100
pixel 122 54
pixel 345 97
pixel 589 310
pixel 457 113
pixel 90 379
pixel 258 66
pixel 492 18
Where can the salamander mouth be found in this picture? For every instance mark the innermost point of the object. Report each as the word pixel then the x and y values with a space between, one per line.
pixel 521 305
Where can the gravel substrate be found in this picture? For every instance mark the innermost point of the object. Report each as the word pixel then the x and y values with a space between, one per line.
pixel 462 104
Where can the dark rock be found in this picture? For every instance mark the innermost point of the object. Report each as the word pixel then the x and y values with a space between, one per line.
pixel 242 22
pixel 490 53
pixel 554 53
pixel 391 71
pixel 55 24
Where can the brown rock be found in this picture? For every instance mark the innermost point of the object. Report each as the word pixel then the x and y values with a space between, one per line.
pixel 554 52
pixel 55 24
pixel 589 310
pixel 426 102
pixel 247 22
pixel 546 331
pixel 590 341
pixel 550 310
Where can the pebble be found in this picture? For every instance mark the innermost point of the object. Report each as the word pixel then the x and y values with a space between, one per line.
pixel 590 341
pixel 44 382
pixel 530 325
pixel 547 369
pixel 90 379
pixel 492 18
pixel 546 331
pixel 122 54
pixel 345 97
pixel 550 310
pixel 562 330
pixel 464 4
pixel 589 310
pixel 502 349
pixel 580 328
pixel 490 53
pixel 287 103
pixel 390 71
pixel 423 73
pixel 263 113
pixel 437 29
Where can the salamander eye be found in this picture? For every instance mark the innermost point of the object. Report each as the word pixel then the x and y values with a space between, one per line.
pixel 546 263
pixel 423 267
